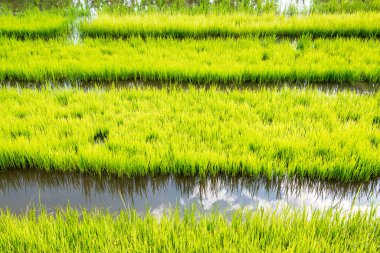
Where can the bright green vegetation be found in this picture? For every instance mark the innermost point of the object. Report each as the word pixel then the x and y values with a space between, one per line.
pixel 189 60
pixel 257 231
pixel 305 133
pixel 235 25
pixel 34 24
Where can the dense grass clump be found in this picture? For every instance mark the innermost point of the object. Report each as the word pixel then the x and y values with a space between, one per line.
pixel 192 132
pixel 189 60
pixel 236 25
pixel 256 231
pixel 34 24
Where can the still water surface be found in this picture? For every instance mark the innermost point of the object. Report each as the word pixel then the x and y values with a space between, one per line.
pixel 21 189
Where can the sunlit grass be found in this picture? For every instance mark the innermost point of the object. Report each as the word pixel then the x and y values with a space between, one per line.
pixel 194 132
pixel 189 60
pixel 256 231
pixel 46 24
pixel 34 24
pixel 200 26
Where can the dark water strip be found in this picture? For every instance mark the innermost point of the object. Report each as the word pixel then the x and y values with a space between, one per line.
pixel 21 189
pixel 359 88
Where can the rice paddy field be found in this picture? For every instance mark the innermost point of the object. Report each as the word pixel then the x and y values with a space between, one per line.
pixel 361 24
pixel 196 61
pixel 295 231
pixel 33 24
pixel 201 90
pixel 149 131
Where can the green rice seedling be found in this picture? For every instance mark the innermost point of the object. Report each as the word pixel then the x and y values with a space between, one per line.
pixel 254 231
pixel 363 24
pixel 177 23
pixel 197 61
pixel 304 133
pixel 34 24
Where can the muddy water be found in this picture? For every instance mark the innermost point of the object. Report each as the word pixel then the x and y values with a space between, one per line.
pixel 20 190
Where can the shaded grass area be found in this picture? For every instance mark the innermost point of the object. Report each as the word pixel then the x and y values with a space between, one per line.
pixel 239 6
pixel 363 24
pixel 261 230
pixel 145 6
pixel 303 133
pixel 344 6
pixel 12 6
pixel 189 60
pixel 35 24
pixel 188 6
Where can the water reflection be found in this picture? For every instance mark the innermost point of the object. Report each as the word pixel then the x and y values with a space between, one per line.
pixel 20 189
pixel 330 88
pixel 293 6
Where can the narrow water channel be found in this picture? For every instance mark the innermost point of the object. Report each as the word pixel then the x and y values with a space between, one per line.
pixel 22 189
pixel 332 88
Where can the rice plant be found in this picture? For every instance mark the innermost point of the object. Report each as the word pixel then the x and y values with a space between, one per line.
pixel 34 24
pixel 46 24
pixel 198 61
pixel 255 231
pixel 363 24
pixel 304 133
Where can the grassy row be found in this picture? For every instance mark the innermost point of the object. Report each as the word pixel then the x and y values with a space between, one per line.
pixel 257 231
pixel 194 132
pixel 34 24
pixel 190 60
pixel 233 25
